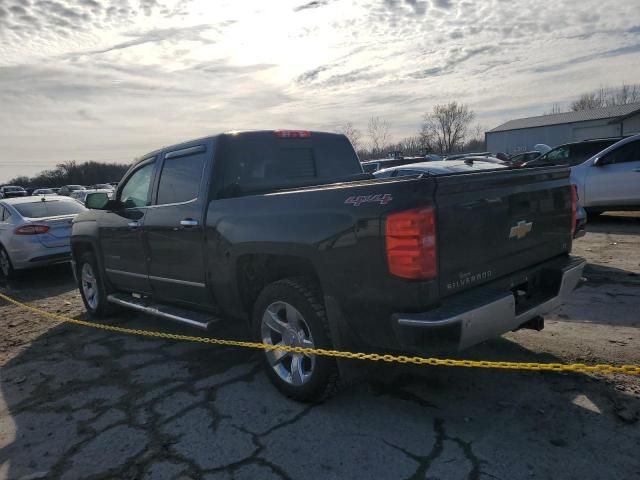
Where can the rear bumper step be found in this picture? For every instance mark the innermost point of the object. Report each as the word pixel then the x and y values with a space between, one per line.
pixel 484 313
pixel 194 319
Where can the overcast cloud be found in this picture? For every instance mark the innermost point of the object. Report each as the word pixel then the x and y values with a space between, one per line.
pixel 112 79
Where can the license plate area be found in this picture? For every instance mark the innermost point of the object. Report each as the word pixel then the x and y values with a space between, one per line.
pixel 536 288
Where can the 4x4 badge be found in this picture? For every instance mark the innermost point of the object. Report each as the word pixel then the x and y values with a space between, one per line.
pixel 381 198
pixel 521 229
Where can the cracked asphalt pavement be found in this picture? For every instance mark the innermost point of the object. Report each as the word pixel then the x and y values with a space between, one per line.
pixel 78 403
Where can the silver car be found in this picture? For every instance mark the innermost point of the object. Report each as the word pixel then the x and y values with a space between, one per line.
pixel 35 231
pixel 610 180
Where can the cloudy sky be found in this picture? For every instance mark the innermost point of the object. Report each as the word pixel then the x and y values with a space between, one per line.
pixel 111 79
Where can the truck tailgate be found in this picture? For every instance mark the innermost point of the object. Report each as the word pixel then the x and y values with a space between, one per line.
pixel 491 224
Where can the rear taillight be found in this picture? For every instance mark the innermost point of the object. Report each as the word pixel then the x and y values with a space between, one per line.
pixel 292 133
pixel 31 230
pixel 411 244
pixel 574 207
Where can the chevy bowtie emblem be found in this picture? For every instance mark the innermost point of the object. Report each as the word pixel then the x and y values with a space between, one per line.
pixel 521 229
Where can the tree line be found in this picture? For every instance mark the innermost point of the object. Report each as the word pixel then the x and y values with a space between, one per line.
pixel 73 173
pixel 601 98
pixel 447 128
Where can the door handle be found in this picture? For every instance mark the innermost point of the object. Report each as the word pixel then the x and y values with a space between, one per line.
pixel 637 170
pixel 189 222
pixel 134 224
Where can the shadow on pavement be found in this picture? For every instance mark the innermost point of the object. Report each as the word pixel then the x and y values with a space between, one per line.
pixel 39 283
pixel 625 223
pixel 81 403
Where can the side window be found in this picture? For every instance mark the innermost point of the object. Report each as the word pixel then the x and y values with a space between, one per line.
pixel 558 154
pixel 135 191
pixel 629 152
pixel 180 177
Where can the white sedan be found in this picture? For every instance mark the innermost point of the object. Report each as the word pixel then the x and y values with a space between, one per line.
pixel 35 231
pixel 610 180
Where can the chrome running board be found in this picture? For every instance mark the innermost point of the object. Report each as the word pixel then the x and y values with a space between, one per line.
pixel 177 314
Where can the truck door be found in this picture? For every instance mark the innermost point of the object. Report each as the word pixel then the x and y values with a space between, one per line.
pixel 174 227
pixel 615 181
pixel 121 239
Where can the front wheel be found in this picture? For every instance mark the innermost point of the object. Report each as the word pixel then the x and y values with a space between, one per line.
pixel 290 312
pixel 92 288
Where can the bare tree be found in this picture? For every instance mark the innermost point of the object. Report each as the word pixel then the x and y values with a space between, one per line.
pixel 476 140
pixel 587 101
pixel 352 133
pixel 608 97
pixel 378 131
pixel 626 94
pixel 555 108
pixel 447 126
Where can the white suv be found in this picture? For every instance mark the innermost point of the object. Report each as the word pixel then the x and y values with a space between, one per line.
pixel 610 180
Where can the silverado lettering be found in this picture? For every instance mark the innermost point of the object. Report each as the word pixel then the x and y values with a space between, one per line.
pixel 469 279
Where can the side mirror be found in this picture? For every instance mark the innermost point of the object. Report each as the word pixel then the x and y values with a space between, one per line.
pixel 97 201
pixel 599 162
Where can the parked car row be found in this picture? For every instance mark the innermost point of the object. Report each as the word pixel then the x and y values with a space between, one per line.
pixel 35 226
pixel 606 171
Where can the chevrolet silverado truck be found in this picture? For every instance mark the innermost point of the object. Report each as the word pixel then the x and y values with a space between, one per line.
pixel 283 231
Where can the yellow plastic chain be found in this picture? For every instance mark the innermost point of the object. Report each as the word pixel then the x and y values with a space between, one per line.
pixel 555 367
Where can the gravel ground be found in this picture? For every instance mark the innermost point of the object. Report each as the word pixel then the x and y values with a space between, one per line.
pixel 79 403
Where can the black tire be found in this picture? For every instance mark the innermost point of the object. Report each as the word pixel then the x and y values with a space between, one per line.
pixel 304 296
pixel 97 307
pixel 6 269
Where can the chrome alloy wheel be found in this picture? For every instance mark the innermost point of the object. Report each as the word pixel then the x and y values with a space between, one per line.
pixel 89 285
pixel 283 324
pixel 5 266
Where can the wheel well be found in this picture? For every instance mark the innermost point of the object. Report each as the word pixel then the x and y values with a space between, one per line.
pixel 80 248
pixel 254 272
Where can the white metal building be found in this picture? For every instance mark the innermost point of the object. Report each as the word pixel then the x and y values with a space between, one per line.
pixel 522 134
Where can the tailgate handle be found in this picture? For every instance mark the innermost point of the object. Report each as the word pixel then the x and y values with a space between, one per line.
pixel 189 222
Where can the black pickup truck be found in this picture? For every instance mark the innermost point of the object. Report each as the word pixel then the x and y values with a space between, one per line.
pixel 282 230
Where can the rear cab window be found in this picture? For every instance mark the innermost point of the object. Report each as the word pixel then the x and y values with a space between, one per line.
pixel 49 208
pixel 255 162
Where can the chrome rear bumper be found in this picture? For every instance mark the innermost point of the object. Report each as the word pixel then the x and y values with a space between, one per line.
pixel 486 313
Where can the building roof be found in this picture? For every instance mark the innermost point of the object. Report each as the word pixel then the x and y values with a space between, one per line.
pixel 569 117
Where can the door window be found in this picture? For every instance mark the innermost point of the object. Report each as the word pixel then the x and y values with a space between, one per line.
pixel 180 178
pixel 629 152
pixel 4 214
pixel 135 191
pixel 559 154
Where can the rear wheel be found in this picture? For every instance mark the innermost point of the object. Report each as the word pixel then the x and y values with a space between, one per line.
pixel 92 287
pixel 6 267
pixel 289 312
